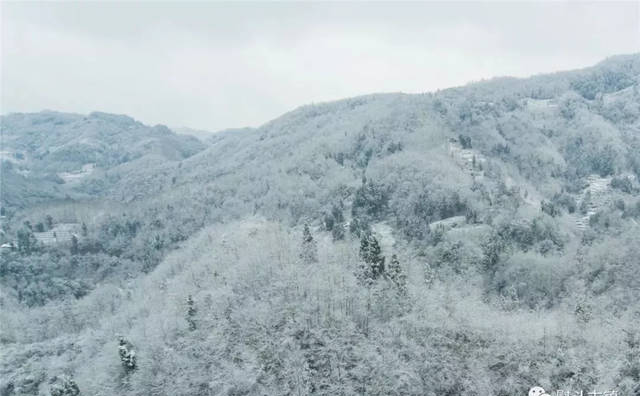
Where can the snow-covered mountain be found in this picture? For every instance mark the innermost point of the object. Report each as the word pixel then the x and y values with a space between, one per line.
pixel 473 240
pixel 50 155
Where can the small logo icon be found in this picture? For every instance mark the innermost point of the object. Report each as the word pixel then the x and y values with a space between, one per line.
pixel 537 391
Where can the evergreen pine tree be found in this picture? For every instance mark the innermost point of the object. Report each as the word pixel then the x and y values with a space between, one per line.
pixel 191 313
pixel 364 247
pixel 337 232
pixel 26 241
pixel 396 275
pixel 364 273
pixel 65 386
pixel 309 253
pixel 329 222
pixel 306 234
pixel 372 258
pixel 336 212
pixel 74 244
pixel 334 219
pixel 376 258
pixel 127 355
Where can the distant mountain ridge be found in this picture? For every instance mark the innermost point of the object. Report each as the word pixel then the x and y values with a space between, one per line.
pixel 39 148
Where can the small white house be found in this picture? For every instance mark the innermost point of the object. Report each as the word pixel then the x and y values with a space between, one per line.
pixel 7 247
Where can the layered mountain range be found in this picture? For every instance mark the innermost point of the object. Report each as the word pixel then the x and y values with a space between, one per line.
pixel 235 264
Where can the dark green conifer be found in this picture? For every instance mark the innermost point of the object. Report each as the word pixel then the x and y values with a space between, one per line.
pixel 191 313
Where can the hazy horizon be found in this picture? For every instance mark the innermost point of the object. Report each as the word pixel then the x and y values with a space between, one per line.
pixel 256 61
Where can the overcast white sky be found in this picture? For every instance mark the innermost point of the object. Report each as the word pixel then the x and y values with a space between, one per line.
pixel 221 65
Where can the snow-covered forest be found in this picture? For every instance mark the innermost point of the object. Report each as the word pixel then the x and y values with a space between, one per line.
pixel 477 240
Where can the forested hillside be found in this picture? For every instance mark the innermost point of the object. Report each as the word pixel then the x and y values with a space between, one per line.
pixel 476 240
pixel 51 155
